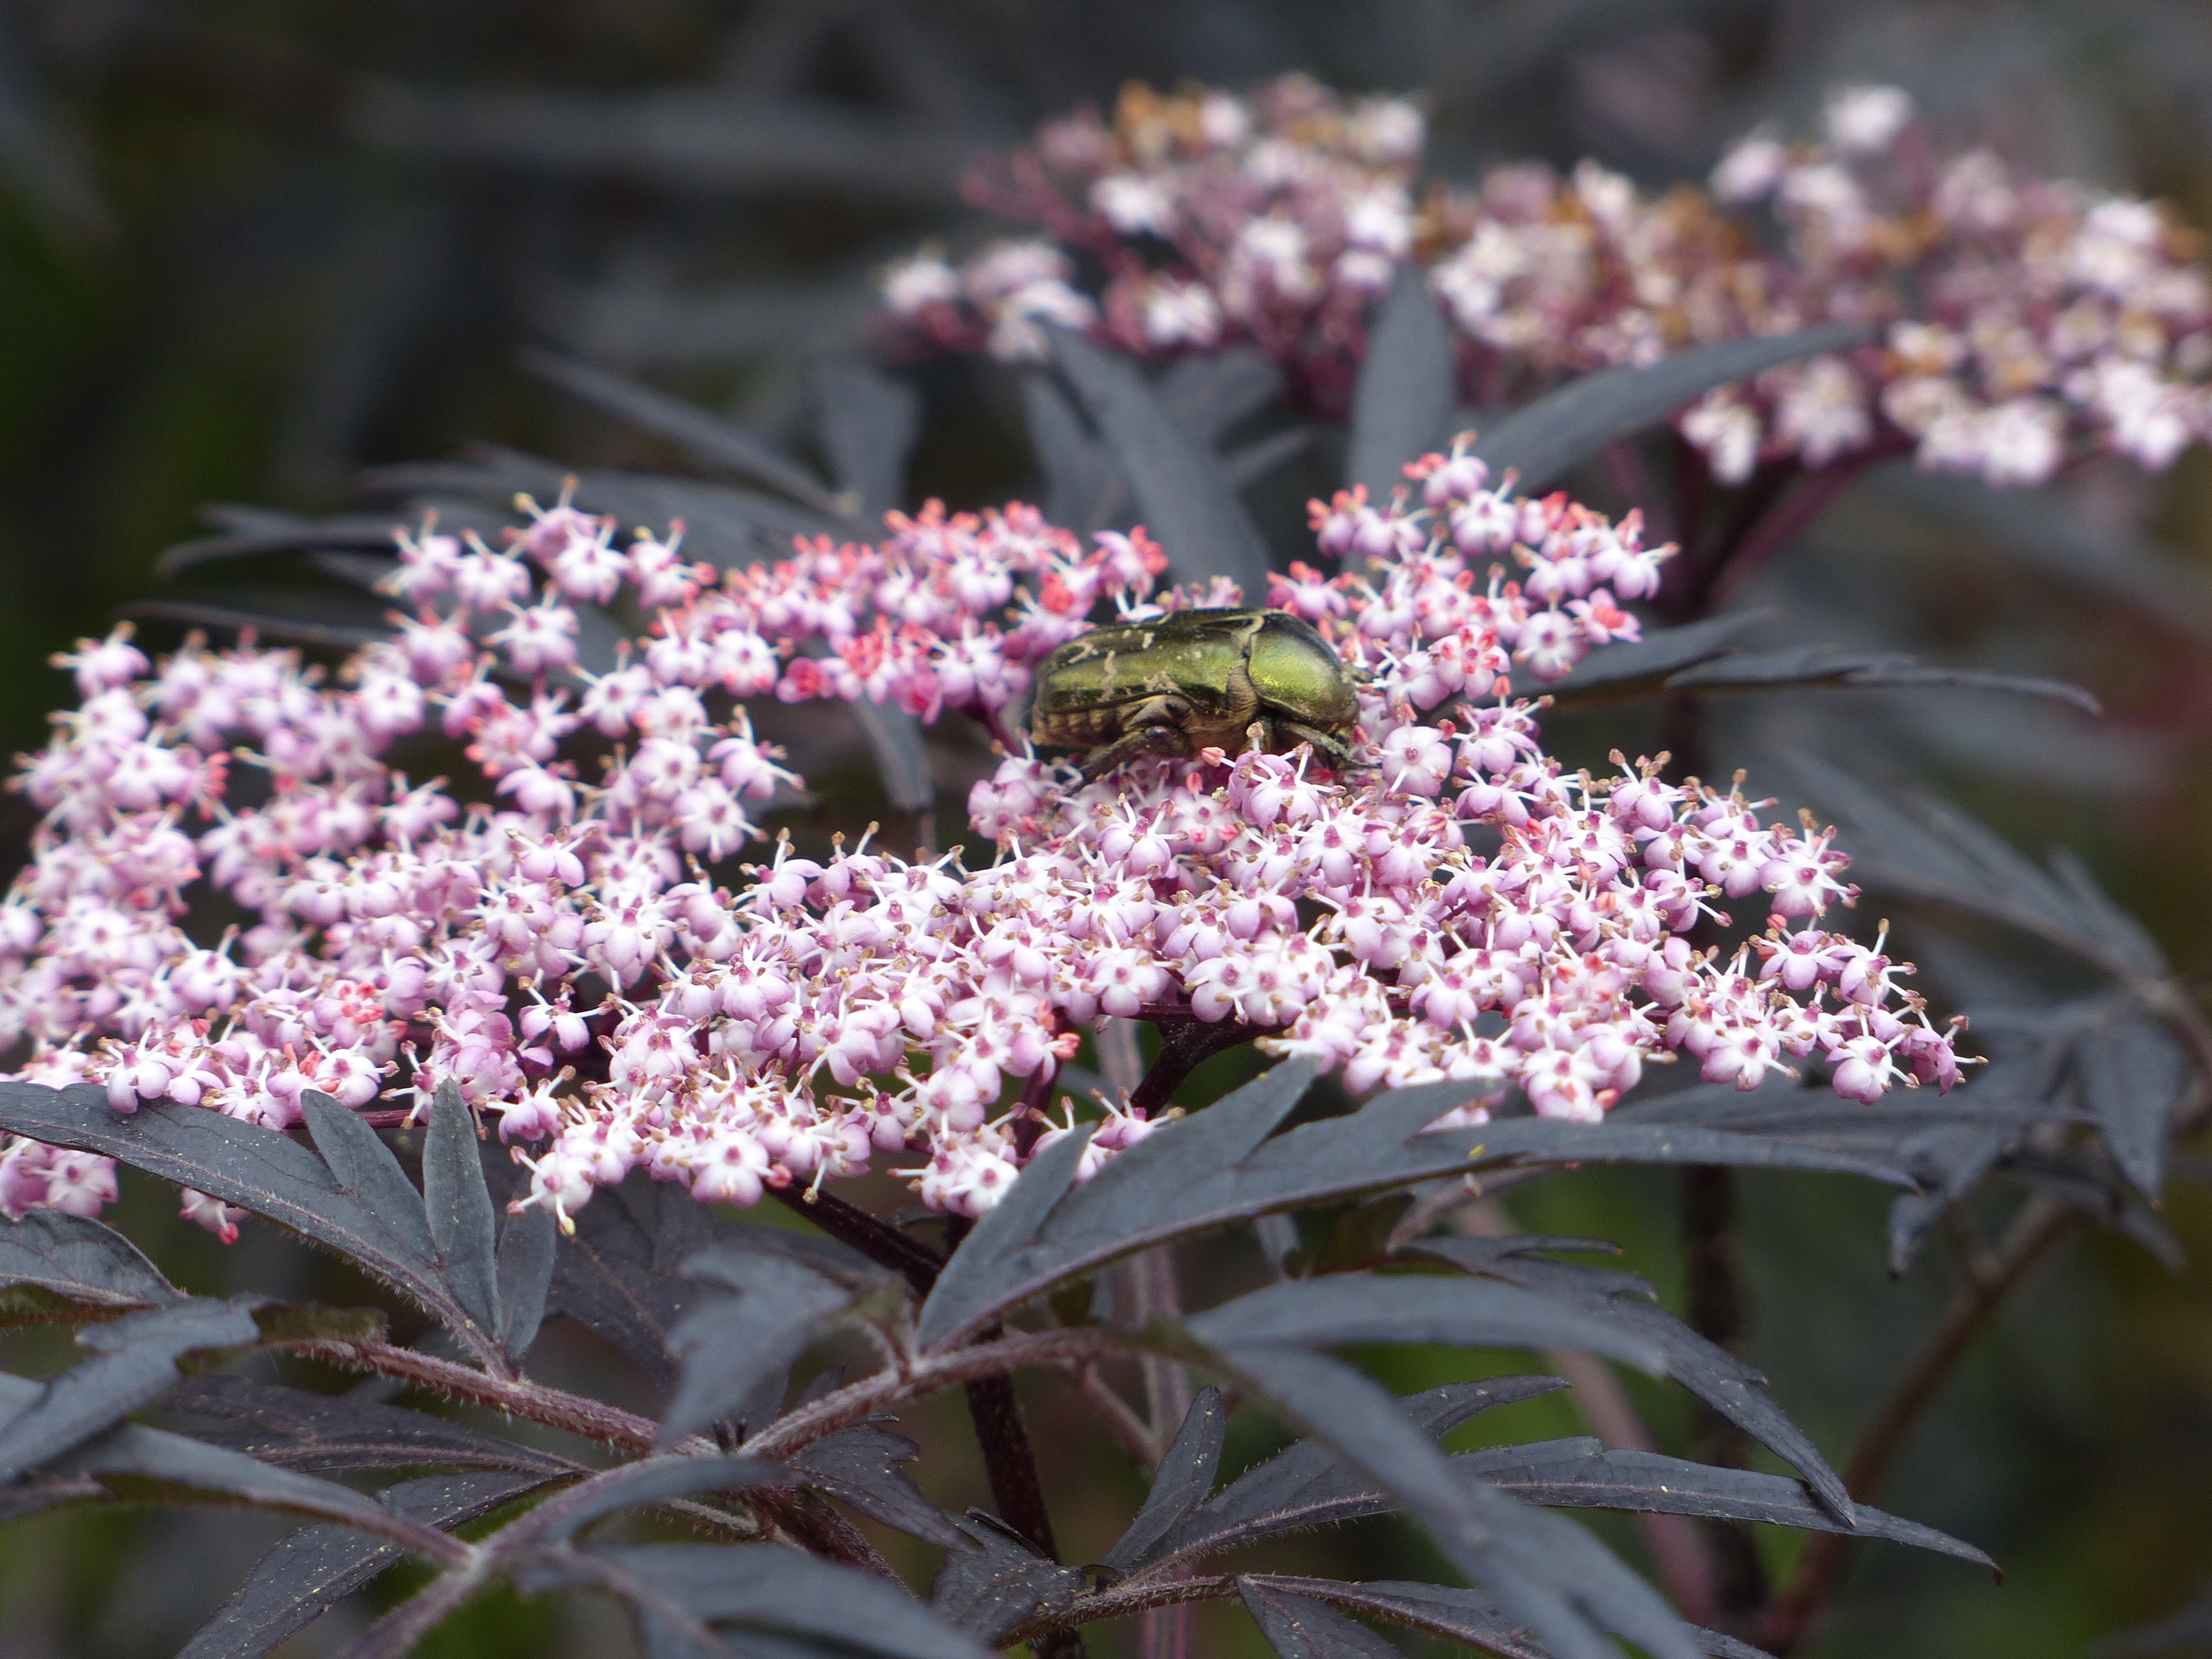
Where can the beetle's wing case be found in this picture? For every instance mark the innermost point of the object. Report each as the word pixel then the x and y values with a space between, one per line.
pixel 1294 670
pixel 1191 653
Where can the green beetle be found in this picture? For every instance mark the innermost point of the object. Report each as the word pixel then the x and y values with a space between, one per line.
pixel 1173 684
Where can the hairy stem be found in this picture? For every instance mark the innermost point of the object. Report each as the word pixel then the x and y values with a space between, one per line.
pixel 2038 1226
pixel 400 1630
pixel 1131 1596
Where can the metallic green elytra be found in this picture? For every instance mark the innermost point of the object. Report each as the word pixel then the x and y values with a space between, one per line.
pixel 1195 679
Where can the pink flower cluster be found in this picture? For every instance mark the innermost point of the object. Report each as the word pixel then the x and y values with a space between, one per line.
pixel 585 962
pixel 2023 321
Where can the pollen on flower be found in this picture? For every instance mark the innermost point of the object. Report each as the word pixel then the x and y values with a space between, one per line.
pixel 580 952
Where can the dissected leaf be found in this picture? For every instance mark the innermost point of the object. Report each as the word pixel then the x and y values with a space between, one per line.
pixel 1563 429
pixel 656 1480
pixel 893 738
pixel 240 1164
pixel 1557 1581
pixel 1182 1483
pixel 861 1466
pixel 1299 1627
pixel 1472 1616
pixel 1080 482
pixel 1181 494
pixel 525 1272
pixel 607 1278
pixel 728 1345
pixel 1209 392
pixel 1926 850
pixel 1307 1485
pixel 1342 1308
pixel 1821 665
pixel 768 1588
pixel 462 1225
pixel 53 1265
pixel 1218 1166
pixel 309 1573
pixel 368 1171
pixel 709 437
pixel 867 421
pixel 134 1363
pixel 294 1429
pixel 997 1583
pixel 2134 1075
pixel 1729 1385
pixel 1402 404
pixel 1647 662
pixel 1582 1475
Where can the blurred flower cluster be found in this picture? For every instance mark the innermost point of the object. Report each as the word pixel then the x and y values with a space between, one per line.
pixel 2018 322
pixel 588 964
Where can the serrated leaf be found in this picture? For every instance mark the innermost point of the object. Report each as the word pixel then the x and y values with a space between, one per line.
pixel 137 1462
pixel 656 1480
pixel 1401 406
pixel 240 1164
pixel 308 1574
pixel 1553 1581
pixel 526 1273
pixel 1563 429
pixel 1826 666
pixel 861 1466
pixel 1208 393
pixel 134 1363
pixel 1647 662
pixel 78 1263
pixel 867 421
pixel 1929 852
pixel 768 1588
pixel 1218 1166
pixel 458 1203
pixel 1182 496
pixel 1307 1485
pixel 1584 1475
pixel 368 1172
pixel 1472 1616
pixel 294 1429
pixel 1081 483
pixel 1345 1308
pixel 1299 1627
pixel 1182 1481
pixel 997 1583
pixel 708 436
pixel 1728 1384
pixel 728 1345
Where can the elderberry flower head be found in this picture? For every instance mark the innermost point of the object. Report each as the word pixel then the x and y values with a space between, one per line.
pixel 572 943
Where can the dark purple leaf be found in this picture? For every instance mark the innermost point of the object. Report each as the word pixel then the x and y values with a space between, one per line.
pixel 294 1429
pixel 1821 665
pixel 1647 662
pixel 708 436
pixel 1472 1616
pixel 1402 405
pixel 1183 1481
pixel 1563 429
pixel 2134 1075
pixel 861 1467
pixel 54 1266
pixel 656 1480
pixel 1729 1385
pixel 730 1345
pixel 458 1203
pixel 241 1164
pixel 768 1588
pixel 1299 1627
pixel 1307 1485
pixel 867 421
pixel 525 1272
pixel 134 1363
pixel 317 1567
pixel 1208 393
pixel 370 1174
pixel 997 1583
pixel 1081 485
pixel 1182 496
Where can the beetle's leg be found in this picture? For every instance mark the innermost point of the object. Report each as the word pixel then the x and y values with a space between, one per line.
pixel 1169 742
pixel 1330 749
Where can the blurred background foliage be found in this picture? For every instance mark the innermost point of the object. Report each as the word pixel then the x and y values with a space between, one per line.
pixel 249 248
